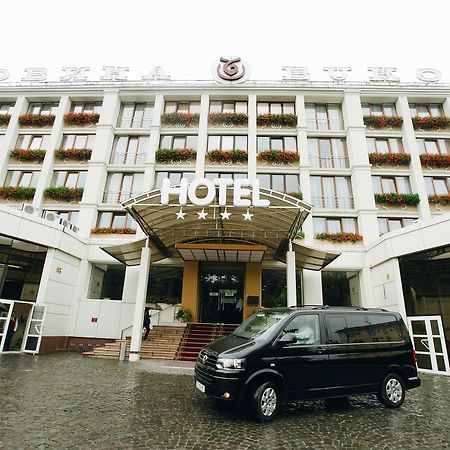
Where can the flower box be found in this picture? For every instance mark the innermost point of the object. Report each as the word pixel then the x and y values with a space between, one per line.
pixel 435 160
pixel 227 156
pixel 180 119
pixel 77 154
pixel 430 123
pixel 400 159
pixel 36 120
pixel 4 119
pixel 397 199
pixel 110 230
pixel 383 121
pixel 175 154
pixel 339 237
pixel 64 193
pixel 228 119
pixel 81 118
pixel 28 155
pixel 17 193
pixel 278 156
pixel 439 199
pixel 277 120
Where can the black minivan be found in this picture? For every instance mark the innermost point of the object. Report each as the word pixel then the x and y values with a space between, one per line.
pixel 311 352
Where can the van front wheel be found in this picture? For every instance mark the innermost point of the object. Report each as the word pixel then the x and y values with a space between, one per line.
pixel 265 401
pixel 392 391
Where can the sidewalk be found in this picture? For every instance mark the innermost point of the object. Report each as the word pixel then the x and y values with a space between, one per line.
pixel 165 366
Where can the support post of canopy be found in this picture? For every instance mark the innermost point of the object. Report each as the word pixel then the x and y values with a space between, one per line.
pixel 291 280
pixel 141 293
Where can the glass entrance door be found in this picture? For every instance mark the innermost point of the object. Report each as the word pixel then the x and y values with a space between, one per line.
pixel 33 333
pixel 5 315
pixel 221 293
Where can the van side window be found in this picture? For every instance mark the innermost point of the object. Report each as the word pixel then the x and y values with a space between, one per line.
pixel 347 328
pixel 384 328
pixel 306 329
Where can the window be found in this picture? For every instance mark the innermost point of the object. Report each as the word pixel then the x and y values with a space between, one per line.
pixel 227 107
pixel 287 143
pixel 305 329
pixel 19 178
pixel 279 182
pixel 347 329
pixel 43 109
pixel 327 153
pixel 384 145
pixel 334 225
pixel 122 186
pixel 129 150
pixel 135 115
pixel 380 109
pixel 86 107
pixel 331 192
pixel 324 117
pixel 69 179
pixel 274 288
pixel 437 186
pixel 170 142
pixel 32 142
pixel 106 282
pixel 78 141
pixel 426 110
pixel 276 108
pixel 70 216
pixel 227 143
pixel 390 185
pixel 434 146
pixel 174 177
pixel 384 328
pixel 182 107
pixel 165 284
pixel 233 176
pixel 387 224
pixel 6 108
pixel 112 219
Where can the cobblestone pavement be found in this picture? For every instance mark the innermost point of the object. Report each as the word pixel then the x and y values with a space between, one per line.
pixel 68 401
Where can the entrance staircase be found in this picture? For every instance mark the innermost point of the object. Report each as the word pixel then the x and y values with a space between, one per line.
pixel 197 335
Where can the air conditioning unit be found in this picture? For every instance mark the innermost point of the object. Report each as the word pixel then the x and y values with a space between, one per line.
pixel 30 209
pixel 51 216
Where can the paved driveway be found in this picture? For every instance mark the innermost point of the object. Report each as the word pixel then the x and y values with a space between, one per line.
pixel 68 401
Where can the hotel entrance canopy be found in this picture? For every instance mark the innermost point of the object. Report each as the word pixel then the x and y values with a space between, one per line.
pixel 168 226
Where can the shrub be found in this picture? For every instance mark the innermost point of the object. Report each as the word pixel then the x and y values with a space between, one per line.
pixel 397 199
pixel 4 119
pixel 383 121
pixel 81 118
pixel 234 118
pixel 435 160
pixel 186 119
pixel 36 120
pixel 183 315
pixel 283 120
pixel 442 199
pixel 278 156
pixel 339 237
pixel 78 154
pixel 17 193
pixel 402 159
pixel 28 155
pixel 110 230
pixel 234 156
pixel 64 193
pixel 175 154
pixel 430 123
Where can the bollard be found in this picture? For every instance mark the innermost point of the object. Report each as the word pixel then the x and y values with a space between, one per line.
pixel 123 349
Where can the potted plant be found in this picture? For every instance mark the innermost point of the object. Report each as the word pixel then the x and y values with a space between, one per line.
pixel 28 155
pixel 383 121
pixel 435 160
pixel 110 230
pixel 430 123
pixel 278 156
pixel 175 154
pixel 397 199
pixel 400 159
pixel 180 119
pixel 339 237
pixel 64 193
pixel 228 119
pixel 81 118
pixel 183 315
pixel 36 120
pixel 227 156
pixel 17 192
pixel 277 120
pixel 78 154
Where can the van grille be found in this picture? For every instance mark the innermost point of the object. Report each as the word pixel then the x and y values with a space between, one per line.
pixel 207 359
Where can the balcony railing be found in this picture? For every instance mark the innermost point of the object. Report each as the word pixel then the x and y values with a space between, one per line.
pixel 333 202
pixel 329 162
pixel 118 196
pixel 128 159
pixel 133 122
pixel 323 124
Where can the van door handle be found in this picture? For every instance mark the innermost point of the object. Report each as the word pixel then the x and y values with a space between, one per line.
pixel 320 350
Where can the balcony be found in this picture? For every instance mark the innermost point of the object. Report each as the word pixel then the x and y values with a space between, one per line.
pixel 333 202
pixel 118 196
pixel 128 159
pixel 134 122
pixel 324 124
pixel 329 162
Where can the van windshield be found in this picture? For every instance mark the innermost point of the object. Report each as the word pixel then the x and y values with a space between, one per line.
pixel 256 326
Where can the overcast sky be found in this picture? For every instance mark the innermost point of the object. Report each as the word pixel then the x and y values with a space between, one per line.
pixel 187 37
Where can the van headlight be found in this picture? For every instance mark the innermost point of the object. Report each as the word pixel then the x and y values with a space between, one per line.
pixel 230 363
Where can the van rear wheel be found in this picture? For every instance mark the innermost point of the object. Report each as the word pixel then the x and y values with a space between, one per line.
pixel 392 391
pixel 265 401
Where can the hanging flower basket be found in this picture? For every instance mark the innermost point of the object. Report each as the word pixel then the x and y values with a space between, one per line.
pixel 36 120
pixel 435 160
pixel 81 118
pixel 175 154
pixel 278 156
pixel 383 121
pixel 4 119
pixel 28 155
pixel 17 193
pixel 397 199
pixel 77 154
pixel 228 118
pixel 430 123
pixel 110 230
pixel 339 237
pixel 439 199
pixel 279 120
pixel 232 156
pixel 400 159
pixel 180 119
pixel 64 193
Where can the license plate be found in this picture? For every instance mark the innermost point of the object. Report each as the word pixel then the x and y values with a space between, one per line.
pixel 200 386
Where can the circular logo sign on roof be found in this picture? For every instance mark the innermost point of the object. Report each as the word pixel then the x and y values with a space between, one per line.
pixel 231 69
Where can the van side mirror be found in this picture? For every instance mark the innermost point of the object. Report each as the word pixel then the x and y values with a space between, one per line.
pixel 287 339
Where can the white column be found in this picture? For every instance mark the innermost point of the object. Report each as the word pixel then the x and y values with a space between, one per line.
pixel 202 142
pixel 312 287
pixel 141 293
pixel 410 144
pixel 291 280
pixel 251 140
pixel 399 288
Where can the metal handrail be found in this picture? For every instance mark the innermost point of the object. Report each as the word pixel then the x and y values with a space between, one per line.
pixel 127 159
pixel 332 202
pixel 329 162
pixel 133 122
pixel 324 124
